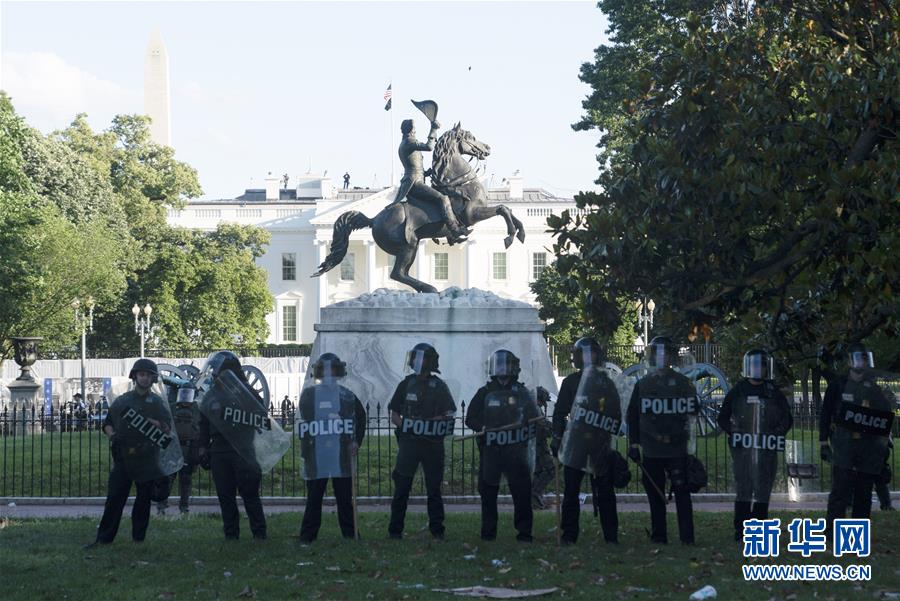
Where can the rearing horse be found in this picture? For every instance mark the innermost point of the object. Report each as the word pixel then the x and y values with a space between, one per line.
pixel 398 228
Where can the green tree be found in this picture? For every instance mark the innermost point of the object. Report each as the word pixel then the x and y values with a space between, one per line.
pixel 749 172
pixel 56 240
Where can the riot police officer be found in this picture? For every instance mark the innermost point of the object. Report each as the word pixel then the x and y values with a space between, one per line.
pixel 187 423
pixel 660 418
pixel 504 412
pixel 544 464
pixel 331 424
pixel 756 417
pixel 856 418
pixel 241 440
pixel 422 410
pixel 144 448
pixel 589 412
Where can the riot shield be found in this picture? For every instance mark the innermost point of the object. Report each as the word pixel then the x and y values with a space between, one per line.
pixel 596 417
pixel 668 403
pixel 237 413
pixel 145 438
pixel 325 424
pixel 863 423
pixel 757 436
pixel 510 433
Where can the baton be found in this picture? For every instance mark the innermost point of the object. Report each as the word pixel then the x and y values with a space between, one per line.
pixel 353 496
pixel 653 482
pixel 558 507
pixel 506 427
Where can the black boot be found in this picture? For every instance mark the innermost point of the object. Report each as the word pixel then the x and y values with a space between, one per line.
pixel 760 511
pixel 741 513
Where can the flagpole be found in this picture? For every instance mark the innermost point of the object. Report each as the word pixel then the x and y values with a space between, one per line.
pixel 391 153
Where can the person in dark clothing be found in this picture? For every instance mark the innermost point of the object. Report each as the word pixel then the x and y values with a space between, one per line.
pixel 139 427
pixel 756 416
pixel 229 444
pixel 587 447
pixel 422 410
pixel 660 413
pixel 544 463
pixel 854 435
pixel 346 180
pixel 331 426
pixel 504 414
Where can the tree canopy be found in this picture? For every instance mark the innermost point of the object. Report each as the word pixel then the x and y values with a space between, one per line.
pixel 84 214
pixel 749 171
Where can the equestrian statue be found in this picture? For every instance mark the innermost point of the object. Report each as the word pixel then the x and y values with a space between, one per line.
pixel 454 202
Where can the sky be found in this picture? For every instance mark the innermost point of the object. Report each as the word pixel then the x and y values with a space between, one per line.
pixel 297 87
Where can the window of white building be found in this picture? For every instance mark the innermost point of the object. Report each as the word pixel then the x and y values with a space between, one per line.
pixel 441 266
pixel 499 266
pixel 538 264
pixel 348 268
pixel 289 266
pixel 289 323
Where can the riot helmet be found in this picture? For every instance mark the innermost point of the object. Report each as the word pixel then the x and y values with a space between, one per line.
pixel 327 366
pixel 859 357
pixel 661 353
pixel 758 365
pixel 186 395
pixel 423 358
pixel 144 365
pixel 587 351
pixel 222 360
pixel 503 363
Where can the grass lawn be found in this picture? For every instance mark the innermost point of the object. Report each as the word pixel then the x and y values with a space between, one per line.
pixel 188 559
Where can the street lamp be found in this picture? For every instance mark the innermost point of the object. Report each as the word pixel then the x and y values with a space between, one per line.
pixel 646 317
pixel 84 319
pixel 142 324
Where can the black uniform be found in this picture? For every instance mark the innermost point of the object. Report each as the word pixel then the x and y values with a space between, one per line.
pixel 510 459
pixel 659 413
pixel 187 423
pixel 602 483
pixel 232 475
pixel 859 452
pixel 120 477
pixel 315 488
pixel 544 466
pixel 419 402
pixel 756 418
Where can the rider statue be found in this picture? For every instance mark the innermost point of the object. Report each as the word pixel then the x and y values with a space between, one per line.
pixel 413 185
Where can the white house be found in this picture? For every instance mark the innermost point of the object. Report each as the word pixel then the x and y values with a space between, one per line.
pixel 301 220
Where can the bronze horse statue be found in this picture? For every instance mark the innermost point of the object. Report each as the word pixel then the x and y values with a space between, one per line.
pixel 398 228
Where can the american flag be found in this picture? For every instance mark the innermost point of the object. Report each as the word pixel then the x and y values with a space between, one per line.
pixel 387 96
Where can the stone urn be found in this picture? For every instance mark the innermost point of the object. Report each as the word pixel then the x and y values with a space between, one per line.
pixel 25 349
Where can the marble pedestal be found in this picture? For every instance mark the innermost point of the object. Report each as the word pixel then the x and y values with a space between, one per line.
pixel 373 332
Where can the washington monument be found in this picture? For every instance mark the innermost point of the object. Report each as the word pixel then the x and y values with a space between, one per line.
pixel 156 89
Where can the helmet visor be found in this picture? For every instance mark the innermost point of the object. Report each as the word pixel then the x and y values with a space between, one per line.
pixel 861 360
pixel 186 395
pixel 660 356
pixel 415 361
pixel 758 367
pixel 500 365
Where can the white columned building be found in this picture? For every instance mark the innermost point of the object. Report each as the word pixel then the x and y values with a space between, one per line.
pixel 301 219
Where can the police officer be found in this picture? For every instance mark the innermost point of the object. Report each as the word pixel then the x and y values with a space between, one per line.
pixel 588 446
pixel 756 416
pixel 544 466
pixel 233 472
pixel 422 410
pixel 139 427
pixel 854 434
pixel 187 423
pixel 328 444
pixel 660 412
pixel 504 415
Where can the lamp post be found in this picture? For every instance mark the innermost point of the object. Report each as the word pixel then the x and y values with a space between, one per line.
pixel 84 319
pixel 646 317
pixel 142 323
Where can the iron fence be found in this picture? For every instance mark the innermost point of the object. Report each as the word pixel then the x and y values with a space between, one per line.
pixel 278 350
pixel 67 455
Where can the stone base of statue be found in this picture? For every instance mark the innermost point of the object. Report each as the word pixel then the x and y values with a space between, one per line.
pixel 373 332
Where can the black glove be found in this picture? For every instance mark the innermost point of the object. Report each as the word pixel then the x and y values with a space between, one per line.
pixel 205 459
pixel 634 453
pixel 825 453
